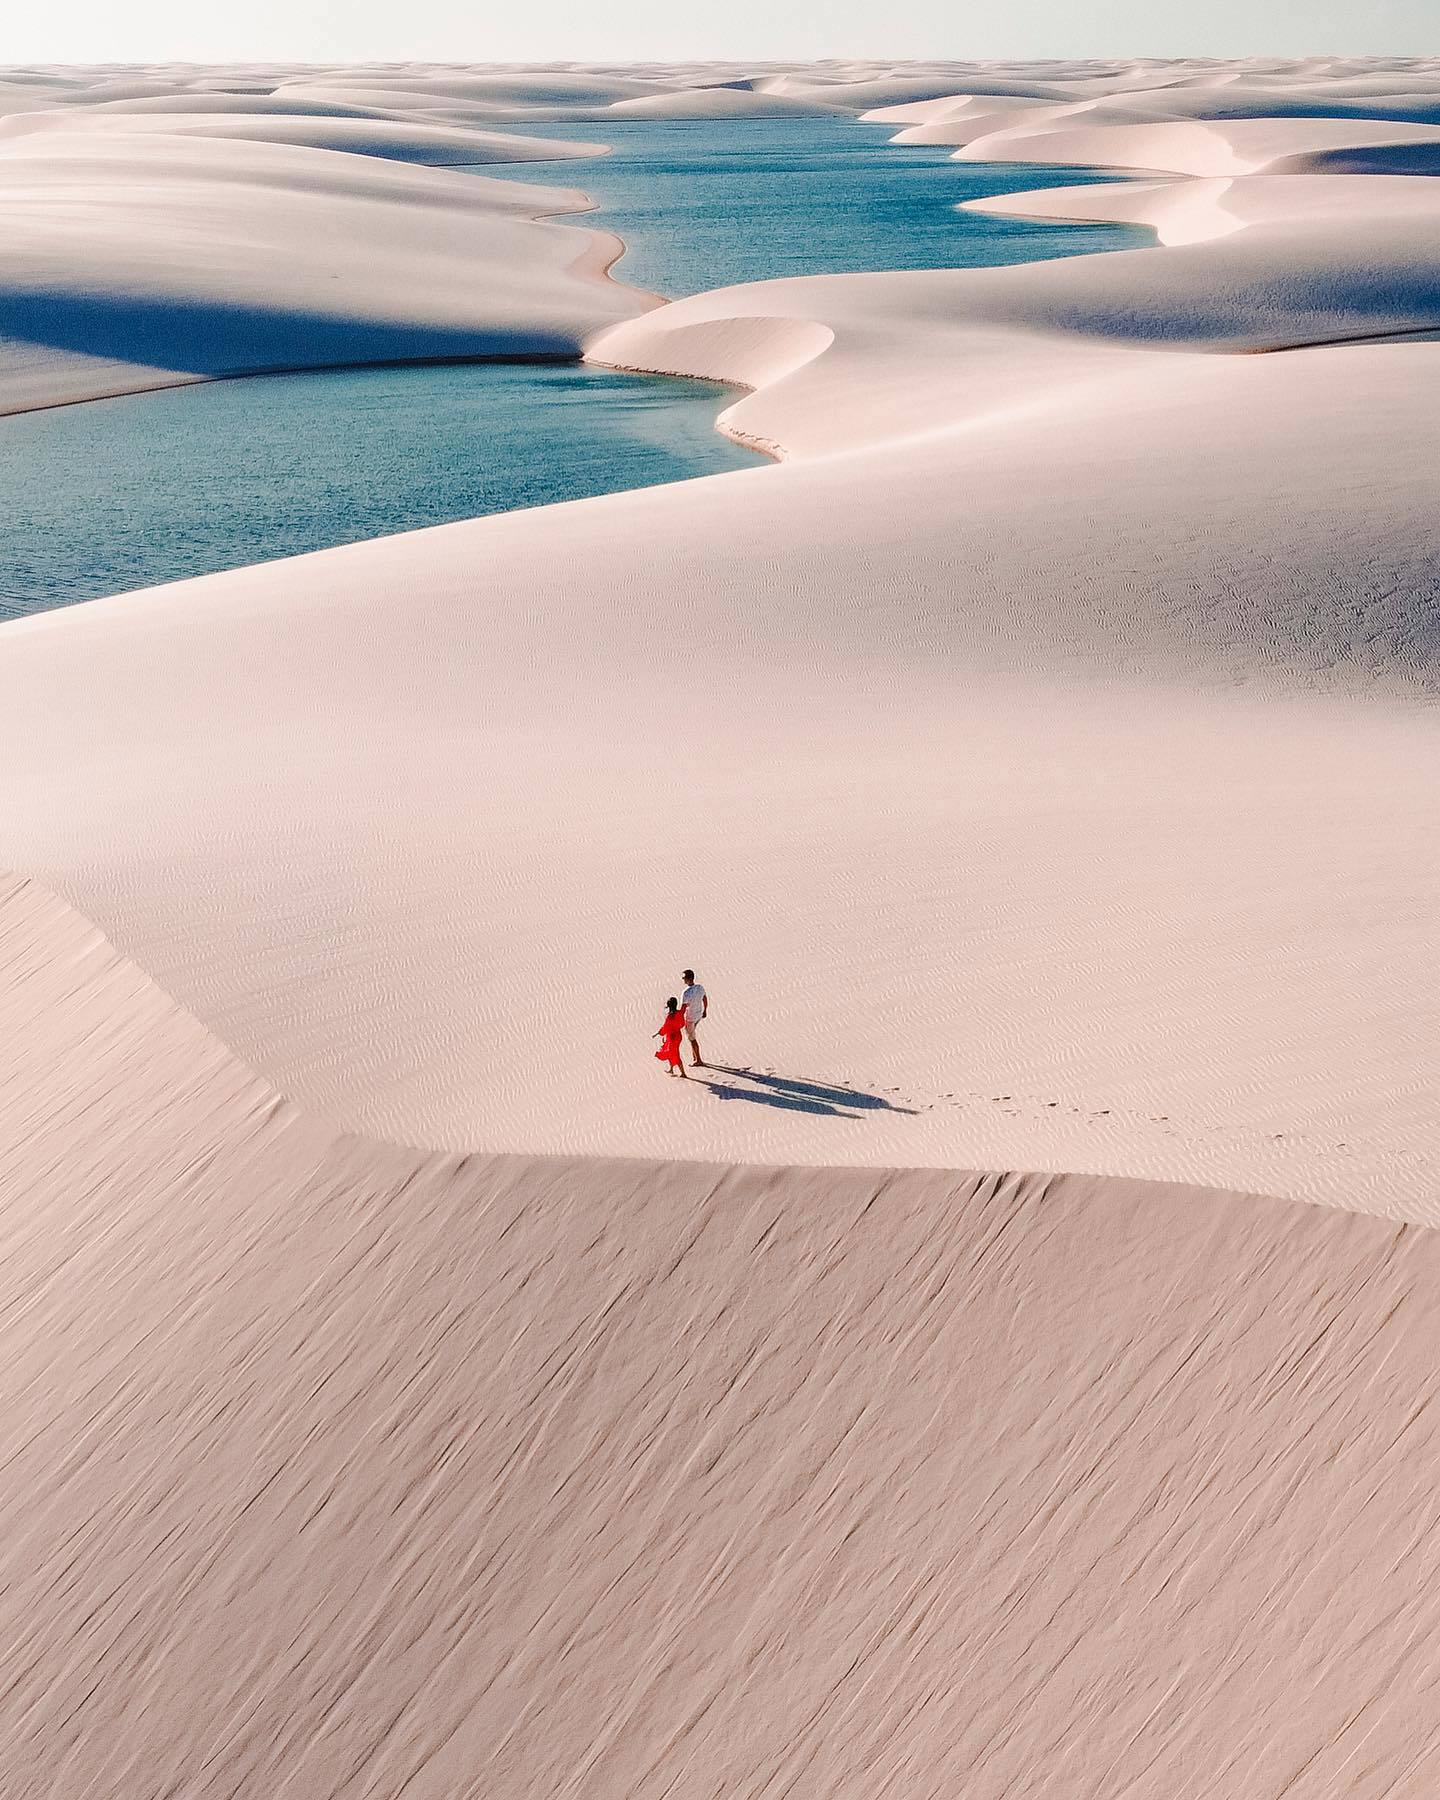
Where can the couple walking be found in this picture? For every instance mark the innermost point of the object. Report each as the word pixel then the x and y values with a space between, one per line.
pixel 682 1016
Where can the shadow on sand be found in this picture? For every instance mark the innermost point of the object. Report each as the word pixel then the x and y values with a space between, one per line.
pixel 823 1100
pixel 199 336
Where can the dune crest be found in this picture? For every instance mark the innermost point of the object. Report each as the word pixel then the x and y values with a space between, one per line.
pixel 303 242
pixel 1211 148
pixel 403 140
pixel 331 1463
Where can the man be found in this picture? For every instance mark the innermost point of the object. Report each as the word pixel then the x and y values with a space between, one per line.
pixel 695 1006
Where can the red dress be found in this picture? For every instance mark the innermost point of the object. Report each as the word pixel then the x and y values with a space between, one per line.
pixel 671 1027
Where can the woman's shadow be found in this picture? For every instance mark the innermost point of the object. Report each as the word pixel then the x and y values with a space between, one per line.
pixel 824 1100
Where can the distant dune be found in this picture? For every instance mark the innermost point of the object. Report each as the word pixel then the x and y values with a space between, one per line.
pixel 289 255
pixel 1231 147
pixel 403 140
pixel 721 103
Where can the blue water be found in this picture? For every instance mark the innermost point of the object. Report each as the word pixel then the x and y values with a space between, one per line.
pixel 119 494
pixel 705 204
pixel 126 493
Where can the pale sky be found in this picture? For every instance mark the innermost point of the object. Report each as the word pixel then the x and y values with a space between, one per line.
pixel 654 30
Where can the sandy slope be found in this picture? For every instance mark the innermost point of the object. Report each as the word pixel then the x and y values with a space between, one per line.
pixel 722 103
pixel 1230 147
pixel 403 140
pixel 294 256
pixel 332 1469
pixel 143 249
pixel 1394 208
pixel 1249 101
pixel 556 87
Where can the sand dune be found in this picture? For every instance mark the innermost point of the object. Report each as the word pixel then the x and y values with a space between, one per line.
pixel 336 1468
pixel 588 96
pixel 502 87
pixel 292 256
pixel 1233 126
pixel 162 233
pixel 405 141
pixel 392 101
pixel 291 103
pixel 1222 147
pixel 92 93
pixel 1191 210
pixel 1226 103
pixel 895 90
pixel 1255 101
pixel 722 103
pixel 999 120
pixel 964 108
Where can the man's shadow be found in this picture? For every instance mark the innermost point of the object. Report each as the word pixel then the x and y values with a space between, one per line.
pixel 822 1100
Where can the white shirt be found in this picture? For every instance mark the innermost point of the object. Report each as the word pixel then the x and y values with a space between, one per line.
pixel 692 1003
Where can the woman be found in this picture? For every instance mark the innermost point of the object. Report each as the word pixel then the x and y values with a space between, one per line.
pixel 669 1035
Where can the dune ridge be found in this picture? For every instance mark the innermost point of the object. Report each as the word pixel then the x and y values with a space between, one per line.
pixel 403 140
pixel 335 1466
pixel 304 241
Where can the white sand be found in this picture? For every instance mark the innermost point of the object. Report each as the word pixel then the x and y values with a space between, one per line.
pixel 1400 216
pixel 331 1469
pixel 1038 766
pixel 1231 147
pixel 141 250
pixel 721 103
pixel 403 140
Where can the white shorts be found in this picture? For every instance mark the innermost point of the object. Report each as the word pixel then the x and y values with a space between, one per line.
pixel 690 1027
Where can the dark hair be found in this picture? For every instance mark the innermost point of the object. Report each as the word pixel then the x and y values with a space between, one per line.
pixel 672 1004
pixel 689 974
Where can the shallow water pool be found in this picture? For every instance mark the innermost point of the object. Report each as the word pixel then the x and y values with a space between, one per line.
pixel 126 493
pixel 706 204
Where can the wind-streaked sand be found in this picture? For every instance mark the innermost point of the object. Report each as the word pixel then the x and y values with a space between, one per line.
pixel 1038 764
pixel 335 1469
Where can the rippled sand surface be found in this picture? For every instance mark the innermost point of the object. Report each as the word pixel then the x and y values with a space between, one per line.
pixel 336 1468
